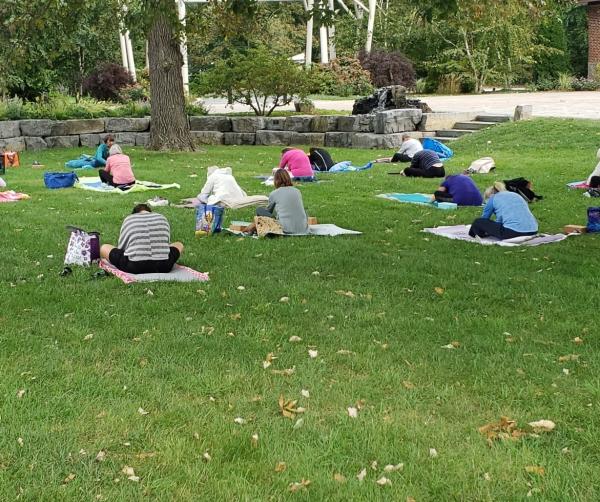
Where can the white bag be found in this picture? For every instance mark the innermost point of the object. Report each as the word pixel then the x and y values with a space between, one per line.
pixel 482 166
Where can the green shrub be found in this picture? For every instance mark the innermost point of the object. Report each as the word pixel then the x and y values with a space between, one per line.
pixel 565 82
pixel 257 78
pixel 342 77
pixel 11 109
pixel 546 84
pixel 585 84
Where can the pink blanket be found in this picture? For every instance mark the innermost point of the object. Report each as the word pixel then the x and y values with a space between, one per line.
pixel 178 274
pixel 12 196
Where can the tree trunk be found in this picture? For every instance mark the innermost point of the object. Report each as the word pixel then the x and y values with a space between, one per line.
pixel 170 128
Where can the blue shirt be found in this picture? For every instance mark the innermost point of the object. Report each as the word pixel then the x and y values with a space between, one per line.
pixel 511 212
pixel 101 155
pixel 463 190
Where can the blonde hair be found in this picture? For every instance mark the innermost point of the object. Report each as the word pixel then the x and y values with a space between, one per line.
pixel 498 186
pixel 114 150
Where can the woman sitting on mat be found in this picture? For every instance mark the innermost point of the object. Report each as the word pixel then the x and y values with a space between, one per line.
pixel 144 244
pixel 221 188
pixel 459 189
pixel 297 163
pixel 425 164
pixel 117 171
pixel 513 217
pixel 285 205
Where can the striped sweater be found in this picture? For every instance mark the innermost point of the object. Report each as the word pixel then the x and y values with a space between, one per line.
pixel 145 236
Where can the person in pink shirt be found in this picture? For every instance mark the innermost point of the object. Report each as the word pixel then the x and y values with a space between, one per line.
pixel 117 171
pixel 296 162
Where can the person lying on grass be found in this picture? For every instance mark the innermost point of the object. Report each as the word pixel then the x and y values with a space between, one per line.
pixel 220 187
pixel 117 171
pixel 285 205
pixel 459 189
pixel 297 163
pixel 425 164
pixel 144 244
pixel 410 146
pixel 513 217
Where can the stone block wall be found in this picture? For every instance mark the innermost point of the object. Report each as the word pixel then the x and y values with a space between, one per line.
pixel 378 130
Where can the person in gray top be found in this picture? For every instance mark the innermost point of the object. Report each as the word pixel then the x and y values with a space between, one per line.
pixel 285 205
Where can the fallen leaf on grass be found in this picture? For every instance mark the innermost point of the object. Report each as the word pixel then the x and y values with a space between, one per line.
pixel 20 393
pixel 146 454
pixel 239 420
pixel 340 478
pixel 452 345
pixel 439 291
pixel 345 352
pixel 142 411
pixel 299 424
pixel 352 412
pixel 566 371
pixel 408 385
pixel 284 299
pixel 313 354
pixel 535 469
pixel 88 337
pixel 280 467
pixel 362 475
pixel 348 294
pixel 433 452
pixel 295 339
pixel 287 407
pixel 543 425
pixel 101 456
pixel 383 481
pixel 294 487
pixel 206 457
pixel 254 440
pixel 568 357
pixel 268 360
pixel 20 441
pixel 486 476
pixel 578 340
pixel 68 479
pixel 505 428
pixel 393 468
pixel 235 317
pixel 305 393
pixel 286 372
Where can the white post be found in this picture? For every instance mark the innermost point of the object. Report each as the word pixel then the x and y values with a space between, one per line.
pixel 309 36
pixel 130 61
pixel 331 34
pixel 185 72
pixel 370 25
pixel 323 44
pixel 124 51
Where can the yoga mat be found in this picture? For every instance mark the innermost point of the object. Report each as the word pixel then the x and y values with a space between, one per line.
pixel 12 196
pixel 178 274
pixel 94 184
pixel 461 232
pixel 578 184
pixel 418 198
pixel 320 230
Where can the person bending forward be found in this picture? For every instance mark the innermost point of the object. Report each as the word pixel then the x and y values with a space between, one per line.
pixel 117 171
pixel 144 244
pixel 425 164
pixel 513 217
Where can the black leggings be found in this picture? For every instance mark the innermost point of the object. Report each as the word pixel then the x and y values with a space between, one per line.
pixel 400 157
pixel 432 172
pixel 595 182
pixel 483 227
pixel 442 196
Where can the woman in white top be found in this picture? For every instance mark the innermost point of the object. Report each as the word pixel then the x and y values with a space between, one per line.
pixel 221 188
pixel 407 151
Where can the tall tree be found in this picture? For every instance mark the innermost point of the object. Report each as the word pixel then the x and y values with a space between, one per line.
pixel 159 21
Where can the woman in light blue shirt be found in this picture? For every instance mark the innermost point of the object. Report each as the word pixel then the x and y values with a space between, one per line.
pixel 513 217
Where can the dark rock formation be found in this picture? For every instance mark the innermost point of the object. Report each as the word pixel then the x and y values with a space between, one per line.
pixel 387 98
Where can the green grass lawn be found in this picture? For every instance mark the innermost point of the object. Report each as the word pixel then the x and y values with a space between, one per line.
pixel 191 355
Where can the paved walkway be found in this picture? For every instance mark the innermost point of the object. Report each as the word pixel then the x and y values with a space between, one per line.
pixel 545 104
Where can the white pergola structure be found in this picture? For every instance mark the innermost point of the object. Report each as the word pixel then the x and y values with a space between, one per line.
pixel 326 33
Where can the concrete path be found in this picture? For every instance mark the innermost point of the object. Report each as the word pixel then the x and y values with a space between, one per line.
pixel 545 104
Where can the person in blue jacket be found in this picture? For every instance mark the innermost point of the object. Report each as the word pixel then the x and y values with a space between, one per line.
pixel 513 217
pixel 98 160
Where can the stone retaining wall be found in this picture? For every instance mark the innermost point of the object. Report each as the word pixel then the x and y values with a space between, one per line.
pixel 379 130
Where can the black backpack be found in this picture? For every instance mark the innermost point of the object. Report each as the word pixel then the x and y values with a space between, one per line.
pixel 320 159
pixel 523 188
